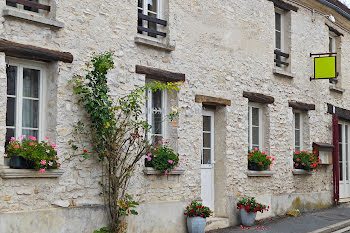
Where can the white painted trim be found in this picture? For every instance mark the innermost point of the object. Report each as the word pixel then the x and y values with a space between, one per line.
pixel 334 48
pixel 250 128
pixel 301 130
pixel 42 67
pixel 281 12
pixel 212 138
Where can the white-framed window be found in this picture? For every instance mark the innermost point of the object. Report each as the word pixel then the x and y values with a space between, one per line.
pixel 279 34
pixel 255 127
pixel 27 8
pixel 298 131
pixel 156 114
pixel 150 8
pixel 332 44
pixel 25 90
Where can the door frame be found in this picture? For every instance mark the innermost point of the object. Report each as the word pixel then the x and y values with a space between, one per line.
pixel 344 184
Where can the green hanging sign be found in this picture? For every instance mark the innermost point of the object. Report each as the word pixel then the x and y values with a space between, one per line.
pixel 325 67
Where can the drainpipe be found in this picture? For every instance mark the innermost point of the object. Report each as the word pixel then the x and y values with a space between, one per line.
pixel 335 158
pixel 336 8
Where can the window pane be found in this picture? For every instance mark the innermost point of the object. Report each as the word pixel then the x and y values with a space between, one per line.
pixel 9 133
pixel 340 135
pixel 206 140
pixel 11 111
pixel 30 113
pixel 256 135
pixel 152 5
pixel 157 123
pixel 249 129
pixel 297 138
pixel 11 80
pixel 206 156
pixel 255 117
pixel 139 22
pixel 330 44
pixel 206 123
pixel 157 100
pixel 297 120
pixel 278 40
pixel 28 8
pixel 29 132
pixel 140 3
pixel 277 21
pixel 11 4
pixel 152 25
pixel 31 80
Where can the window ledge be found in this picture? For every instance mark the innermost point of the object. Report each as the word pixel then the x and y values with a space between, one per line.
pixel 32 17
pixel 260 173
pixel 149 42
pixel 284 73
pixel 8 173
pixel 336 89
pixel 302 172
pixel 152 171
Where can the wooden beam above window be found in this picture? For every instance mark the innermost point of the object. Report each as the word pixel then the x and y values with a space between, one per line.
pixel 284 5
pixel 342 113
pixel 301 106
pixel 258 98
pixel 335 31
pixel 31 52
pixel 160 75
pixel 209 100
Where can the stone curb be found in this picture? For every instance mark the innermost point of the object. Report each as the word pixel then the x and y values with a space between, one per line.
pixel 332 228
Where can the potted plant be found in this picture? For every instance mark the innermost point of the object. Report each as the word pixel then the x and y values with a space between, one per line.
pixel 162 158
pixel 306 160
pixel 196 217
pixel 258 160
pixel 248 208
pixel 31 154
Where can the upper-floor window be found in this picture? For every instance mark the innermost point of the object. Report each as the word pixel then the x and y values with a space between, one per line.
pixel 150 20
pixel 281 56
pixel 30 5
pixel 332 45
pixel 155 105
pixel 24 99
pixel 255 128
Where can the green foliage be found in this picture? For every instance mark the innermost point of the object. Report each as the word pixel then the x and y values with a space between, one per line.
pixel 41 155
pixel 103 230
pixel 258 160
pixel 162 158
pixel 306 160
pixel 196 209
pixel 250 205
pixel 118 132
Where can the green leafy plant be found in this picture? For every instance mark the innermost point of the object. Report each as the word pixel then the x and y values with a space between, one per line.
pixel 39 155
pixel 196 209
pixel 306 160
pixel 162 158
pixel 250 205
pixel 118 133
pixel 258 160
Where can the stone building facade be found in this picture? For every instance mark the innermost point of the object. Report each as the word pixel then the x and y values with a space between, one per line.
pixel 225 51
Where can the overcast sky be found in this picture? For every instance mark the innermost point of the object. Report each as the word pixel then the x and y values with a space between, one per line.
pixel 347 2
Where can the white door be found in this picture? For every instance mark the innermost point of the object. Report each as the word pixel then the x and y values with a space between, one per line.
pixel 344 169
pixel 207 161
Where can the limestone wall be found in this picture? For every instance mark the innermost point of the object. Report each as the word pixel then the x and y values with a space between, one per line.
pixel 224 48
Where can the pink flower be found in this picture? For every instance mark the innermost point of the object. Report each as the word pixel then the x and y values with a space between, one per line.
pixel 166 173
pixel 58 165
pixel 256 148
pixel 160 142
pixel 43 162
pixel 149 159
pixel 32 138
pixel 50 163
pixel 170 161
pixel 166 141
pixel 53 145
pixel 24 148
pixel 47 151
pixel 47 138
pixel 16 146
pixel 13 139
pixel 42 170
pixel 21 137
pixel 149 154
pixel 32 144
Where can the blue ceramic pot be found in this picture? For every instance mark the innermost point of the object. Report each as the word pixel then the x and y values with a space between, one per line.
pixel 196 224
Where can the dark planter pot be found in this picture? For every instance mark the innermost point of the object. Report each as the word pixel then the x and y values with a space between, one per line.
pixel 255 167
pixel 148 163
pixel 18 162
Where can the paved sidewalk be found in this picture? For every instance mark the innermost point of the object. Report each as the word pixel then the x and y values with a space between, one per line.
pixel 307 222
